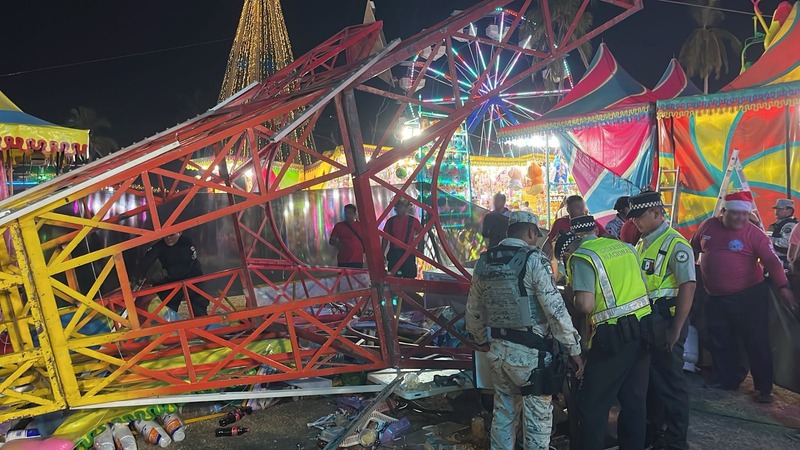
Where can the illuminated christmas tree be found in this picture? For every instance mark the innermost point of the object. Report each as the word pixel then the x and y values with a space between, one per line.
pixel 261 48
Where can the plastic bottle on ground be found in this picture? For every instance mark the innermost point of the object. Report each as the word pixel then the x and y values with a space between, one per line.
pixel 233 431
pixel 152 433
pixel 173 424
pixel 22 434
pixel 192 410
pixel 123 436
pixel 104 440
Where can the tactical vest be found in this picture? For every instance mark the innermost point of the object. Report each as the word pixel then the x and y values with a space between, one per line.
pixel 776 233
pixel 619 290
pixel 655 265
pixel 508 303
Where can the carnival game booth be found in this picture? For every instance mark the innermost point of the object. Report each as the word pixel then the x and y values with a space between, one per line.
pixel 607 130
pixel 757 114
pixel 33 150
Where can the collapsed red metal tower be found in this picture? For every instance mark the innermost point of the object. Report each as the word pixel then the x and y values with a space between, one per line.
pixel 54 363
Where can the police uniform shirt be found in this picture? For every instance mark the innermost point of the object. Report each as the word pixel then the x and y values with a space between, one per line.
pixel 180 260
pixel 681 261
pixel 583 274
pixel 538 279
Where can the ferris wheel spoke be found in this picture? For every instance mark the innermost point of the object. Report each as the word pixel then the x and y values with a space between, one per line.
pixel 509 115
pixel 524 109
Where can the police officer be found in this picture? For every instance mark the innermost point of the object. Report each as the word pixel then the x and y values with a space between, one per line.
pixel 178 258
pixel 668 266
pixel 780 231
pixel 605 277
pixel 514 294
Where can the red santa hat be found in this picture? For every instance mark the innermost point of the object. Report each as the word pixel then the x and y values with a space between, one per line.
pixel 738 201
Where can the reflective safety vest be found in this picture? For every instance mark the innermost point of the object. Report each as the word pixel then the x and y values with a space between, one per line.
pixel 508 303
pixel 619 289
pixel 655 265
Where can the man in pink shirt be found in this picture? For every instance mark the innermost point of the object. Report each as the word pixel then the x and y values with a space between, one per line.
pixel 738 303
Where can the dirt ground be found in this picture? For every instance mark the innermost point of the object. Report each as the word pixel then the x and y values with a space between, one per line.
pixel 719 420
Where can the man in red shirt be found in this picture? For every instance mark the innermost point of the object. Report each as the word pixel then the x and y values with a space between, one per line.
pixel 576 207
pixel 738 303
pixel 405 228
pixel 348 239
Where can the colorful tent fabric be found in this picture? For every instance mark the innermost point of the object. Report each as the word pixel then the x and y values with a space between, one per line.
pixel 608 124
pixel 21 131
pixel 674 83
pixel 756 114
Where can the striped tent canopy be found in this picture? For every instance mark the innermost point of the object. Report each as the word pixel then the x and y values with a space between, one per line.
pixel 21 131
pixel 674 83
pixel 757 114
pixel 607 122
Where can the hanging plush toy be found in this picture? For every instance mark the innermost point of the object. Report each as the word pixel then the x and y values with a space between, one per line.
pixel 515 179
pixel 535 175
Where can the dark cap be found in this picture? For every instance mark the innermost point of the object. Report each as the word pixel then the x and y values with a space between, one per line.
pixel 644 201
pixel 582 224
pixel 564 241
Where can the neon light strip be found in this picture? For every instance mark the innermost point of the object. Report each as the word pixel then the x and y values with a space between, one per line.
pixel 517 105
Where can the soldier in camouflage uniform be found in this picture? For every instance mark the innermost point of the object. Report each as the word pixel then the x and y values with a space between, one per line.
pixel 514 295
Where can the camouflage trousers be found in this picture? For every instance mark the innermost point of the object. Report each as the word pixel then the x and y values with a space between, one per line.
pixel 511 367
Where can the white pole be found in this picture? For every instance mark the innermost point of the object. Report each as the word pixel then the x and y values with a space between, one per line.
pixel 547 177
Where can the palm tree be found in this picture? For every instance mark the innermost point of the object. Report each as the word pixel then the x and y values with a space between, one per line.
pixel 705 51
pixel 87 119
pixel 562 13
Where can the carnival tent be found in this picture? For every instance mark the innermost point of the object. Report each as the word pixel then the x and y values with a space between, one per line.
pixel 608 124
pixel 757 114
pixel 21 131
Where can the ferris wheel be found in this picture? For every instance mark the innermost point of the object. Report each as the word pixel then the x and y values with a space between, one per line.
pixel 522 103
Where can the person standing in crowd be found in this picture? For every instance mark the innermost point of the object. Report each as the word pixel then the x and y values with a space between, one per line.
pixel 406 228
pixel 608 285
pixel 621 206
pixel 514 294
pixel 526 206
pixel 780 231
pixel 738 300
pixel 495 224
pixel 667 263
pixel 178 258
pixel 576 207
pixel 346 236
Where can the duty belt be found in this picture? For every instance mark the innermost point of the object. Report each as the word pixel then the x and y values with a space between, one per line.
pixel 622 310
pixel 664 304
pixel 527 338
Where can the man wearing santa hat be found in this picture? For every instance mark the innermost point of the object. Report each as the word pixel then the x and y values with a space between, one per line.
pixel 737 307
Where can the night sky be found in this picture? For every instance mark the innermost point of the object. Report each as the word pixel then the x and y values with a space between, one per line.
pixel 145 94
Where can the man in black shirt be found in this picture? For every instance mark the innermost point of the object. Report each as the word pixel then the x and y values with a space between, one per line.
pixel 495 224
pixel 178 259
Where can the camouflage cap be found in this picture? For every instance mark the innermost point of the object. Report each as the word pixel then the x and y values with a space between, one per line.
pixel 523 217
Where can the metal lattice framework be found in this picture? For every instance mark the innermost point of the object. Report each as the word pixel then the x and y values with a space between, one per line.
pixel 302 330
